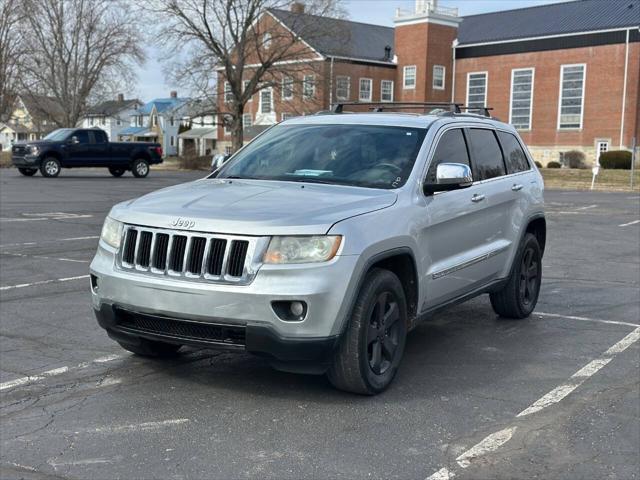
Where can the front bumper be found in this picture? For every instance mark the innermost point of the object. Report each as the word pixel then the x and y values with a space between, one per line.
pixel 28 161
pixel 326 289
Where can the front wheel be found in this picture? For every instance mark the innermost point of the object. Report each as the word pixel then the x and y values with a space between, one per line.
pixel 371 349
pixel 140 168
pixel 150 348
pixel 28 172
pixel 519 296
pixel 50 167
pixel 116 172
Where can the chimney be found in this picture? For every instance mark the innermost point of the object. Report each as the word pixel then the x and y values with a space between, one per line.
pixel 387 53
pixel 297 7
pixel 174 94
pixel 121 97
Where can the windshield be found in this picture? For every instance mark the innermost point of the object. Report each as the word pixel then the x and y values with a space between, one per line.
pixel 360 155
pixel 60 134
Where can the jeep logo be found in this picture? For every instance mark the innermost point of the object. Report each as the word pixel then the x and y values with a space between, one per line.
pixel 183 223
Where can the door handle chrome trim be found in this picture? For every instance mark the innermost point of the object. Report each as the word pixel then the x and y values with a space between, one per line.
pixel 478 198
pixel 517 186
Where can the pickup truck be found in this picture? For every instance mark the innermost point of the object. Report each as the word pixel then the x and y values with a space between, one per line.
pixel 84 147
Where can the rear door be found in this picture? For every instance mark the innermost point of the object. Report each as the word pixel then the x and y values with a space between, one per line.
pixel 459 228
pixel 99 154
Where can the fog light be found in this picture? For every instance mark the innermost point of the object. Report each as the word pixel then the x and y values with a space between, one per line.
pixel 297 309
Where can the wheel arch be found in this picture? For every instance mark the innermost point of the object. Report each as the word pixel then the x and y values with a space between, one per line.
pixel 52 153
pixel 537 225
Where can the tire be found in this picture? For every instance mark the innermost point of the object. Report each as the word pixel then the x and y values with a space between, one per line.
pixel 28 172
pixel 50 167
pixel 116 172
pixel 519 296
pixel 150 348
pixel 140 168
pixel 370 351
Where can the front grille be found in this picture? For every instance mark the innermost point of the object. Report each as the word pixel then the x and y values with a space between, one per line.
pixel 192 256
pixel 19 150
pixel 181 329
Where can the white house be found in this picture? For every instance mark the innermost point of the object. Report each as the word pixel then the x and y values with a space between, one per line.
pixel 158 121
pixel 112 116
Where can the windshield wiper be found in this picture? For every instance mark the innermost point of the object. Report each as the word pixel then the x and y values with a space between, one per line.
pixel 312 180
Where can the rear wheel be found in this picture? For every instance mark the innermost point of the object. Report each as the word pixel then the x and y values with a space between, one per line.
pixel 140 168
pixel 50 167
pixel 116 172
pixel 519 296
pixel 150 348
pixel 28 172
pixel 371 349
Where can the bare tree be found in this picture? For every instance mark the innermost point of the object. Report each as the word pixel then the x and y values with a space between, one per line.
pixel 79 50
pixel 235 38
pixel 11 53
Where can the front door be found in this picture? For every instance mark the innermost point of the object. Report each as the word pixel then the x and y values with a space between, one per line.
pixel 78 149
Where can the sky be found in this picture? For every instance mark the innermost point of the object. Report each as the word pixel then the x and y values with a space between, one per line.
pixel 152 83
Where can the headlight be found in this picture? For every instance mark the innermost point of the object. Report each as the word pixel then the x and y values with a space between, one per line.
pixel 111 232
pixel 34 150
pixel 308 249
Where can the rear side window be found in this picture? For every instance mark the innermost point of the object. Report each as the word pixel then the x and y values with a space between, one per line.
pixel 82 135
pixel 99 136
pixel 514 156
pixel 487 156
pixel 451 148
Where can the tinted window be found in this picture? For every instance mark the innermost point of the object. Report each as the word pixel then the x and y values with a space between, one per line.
pixel 451 149
pixel 487 156
pixel 99 136
pixel 514 156
pixel 82 136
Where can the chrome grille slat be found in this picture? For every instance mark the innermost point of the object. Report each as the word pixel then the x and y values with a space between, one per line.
pixel 192 256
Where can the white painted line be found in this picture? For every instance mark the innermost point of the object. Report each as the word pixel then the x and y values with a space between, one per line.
pixel 136 427
pixel 27 244
pixel 623 344
pixel 42 282
pixel 88 461
pixel 630 223
pixel 442 474
pixel 590 368
pixel 24 467
pixel 488 444
pixel 588 207
pixel 24 255
pixel 585 319
pixel 45 217
pixel 55 371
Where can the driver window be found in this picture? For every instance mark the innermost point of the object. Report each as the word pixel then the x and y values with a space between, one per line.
pixel 451 148
pixel 82 136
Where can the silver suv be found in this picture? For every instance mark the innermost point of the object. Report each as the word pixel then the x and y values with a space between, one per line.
pixel 324 241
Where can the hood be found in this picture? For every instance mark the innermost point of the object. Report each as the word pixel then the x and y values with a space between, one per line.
pixel 252 207
pixel 36 143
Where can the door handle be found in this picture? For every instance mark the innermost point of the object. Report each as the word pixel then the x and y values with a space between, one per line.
pixel 517 187
pixel 477 198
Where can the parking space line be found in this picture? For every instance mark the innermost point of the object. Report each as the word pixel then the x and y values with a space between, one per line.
pixel 588 207
pixel 56 371
pixel 42 282
pixel 24 255
pixel 30 244
pixel 494 441
pixel 585 319
pixel 47 217
pixel 136 427
pixel 630 223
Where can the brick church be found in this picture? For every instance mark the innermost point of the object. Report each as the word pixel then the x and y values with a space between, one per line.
pixel 566 75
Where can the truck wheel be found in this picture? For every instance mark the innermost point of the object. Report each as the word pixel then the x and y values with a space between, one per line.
pixel 140 168
pixel 116 172
pixel 150 348
pixel 519 296
pixel 372 346
pixel 50 167
pixel 28 172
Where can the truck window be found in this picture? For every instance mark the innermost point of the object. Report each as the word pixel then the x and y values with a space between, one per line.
pixel 487 155
pixel 514 155
pixel 451 149
pixel 99 136
pixel 82 136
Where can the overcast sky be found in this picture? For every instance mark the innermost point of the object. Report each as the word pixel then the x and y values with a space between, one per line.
pixel 151 81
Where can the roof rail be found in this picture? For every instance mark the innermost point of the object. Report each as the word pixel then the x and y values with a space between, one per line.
pixel 382 106
pixel 485 110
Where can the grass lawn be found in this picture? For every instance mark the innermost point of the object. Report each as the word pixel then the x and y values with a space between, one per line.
pixel 580 179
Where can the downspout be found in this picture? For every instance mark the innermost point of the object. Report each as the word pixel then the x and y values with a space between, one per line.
pixel 331 85
pixel 624 89
pixel 453 70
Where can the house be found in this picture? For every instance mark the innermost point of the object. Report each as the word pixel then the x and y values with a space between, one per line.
pixel 32 118
pixel 566 75
pixel 157 121
pixel 112 116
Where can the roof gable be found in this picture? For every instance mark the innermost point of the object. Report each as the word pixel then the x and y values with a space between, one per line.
pixel 112 107
pixel 554 19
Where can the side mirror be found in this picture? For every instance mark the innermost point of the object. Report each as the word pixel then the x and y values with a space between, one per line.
pixel 449 176
pixel 74 140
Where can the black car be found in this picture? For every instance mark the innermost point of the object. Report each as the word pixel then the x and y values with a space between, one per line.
pixel 84 147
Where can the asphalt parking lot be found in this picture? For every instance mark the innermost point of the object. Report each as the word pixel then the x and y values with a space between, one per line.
pixel 553 396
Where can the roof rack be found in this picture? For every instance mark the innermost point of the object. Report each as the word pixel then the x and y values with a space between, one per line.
pixel 485 110
pixel 382 106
